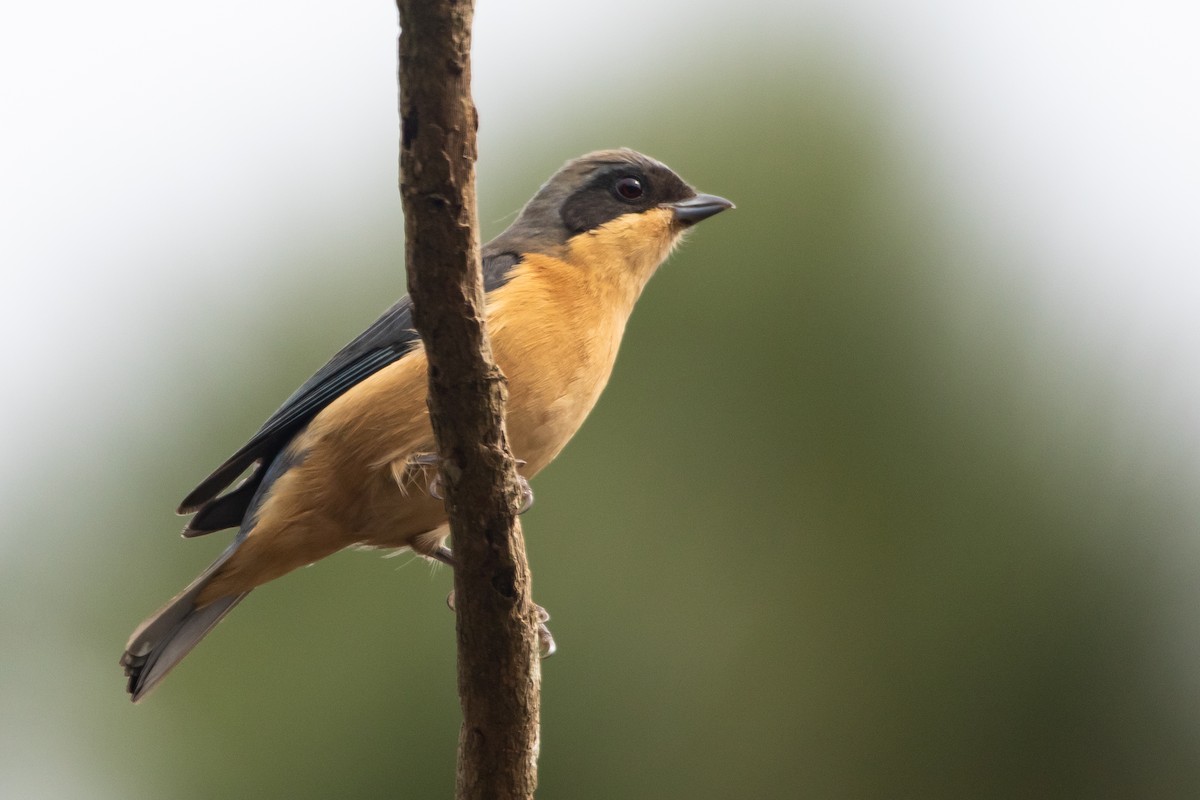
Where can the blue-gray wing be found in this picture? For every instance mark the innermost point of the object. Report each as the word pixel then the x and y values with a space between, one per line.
pixel 388 340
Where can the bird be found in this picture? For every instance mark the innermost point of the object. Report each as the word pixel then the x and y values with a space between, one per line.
pixel 349 459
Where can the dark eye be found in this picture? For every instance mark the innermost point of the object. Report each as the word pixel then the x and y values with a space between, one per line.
pixel 629 189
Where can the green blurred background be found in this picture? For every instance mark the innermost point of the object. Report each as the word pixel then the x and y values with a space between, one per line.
pixel 892 494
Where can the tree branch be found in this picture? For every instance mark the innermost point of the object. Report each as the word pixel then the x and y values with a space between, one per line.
pixel 498 670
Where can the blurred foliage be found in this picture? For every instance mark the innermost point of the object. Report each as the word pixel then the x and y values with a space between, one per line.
pixel 837 528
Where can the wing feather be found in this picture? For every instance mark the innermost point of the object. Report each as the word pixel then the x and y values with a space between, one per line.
pixel 389 339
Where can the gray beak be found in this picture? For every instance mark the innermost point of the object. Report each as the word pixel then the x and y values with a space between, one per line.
pixel 702 206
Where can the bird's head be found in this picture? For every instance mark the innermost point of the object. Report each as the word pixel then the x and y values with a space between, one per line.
pixel 609 209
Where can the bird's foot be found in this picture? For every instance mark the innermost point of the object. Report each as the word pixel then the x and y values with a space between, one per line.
pixel 546 644
pixel 434 486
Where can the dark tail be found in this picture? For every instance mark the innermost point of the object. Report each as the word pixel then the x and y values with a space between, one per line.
pixel 164 639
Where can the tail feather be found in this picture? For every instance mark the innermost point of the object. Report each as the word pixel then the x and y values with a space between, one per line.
pixel 164 639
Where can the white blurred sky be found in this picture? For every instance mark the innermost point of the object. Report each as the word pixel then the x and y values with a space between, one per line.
pixel 1068 131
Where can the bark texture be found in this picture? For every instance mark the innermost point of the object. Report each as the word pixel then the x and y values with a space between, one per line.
pixel 498 669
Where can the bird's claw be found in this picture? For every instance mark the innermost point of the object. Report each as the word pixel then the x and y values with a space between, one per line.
pixel 526 492
pixel 546 645
pixel 434 486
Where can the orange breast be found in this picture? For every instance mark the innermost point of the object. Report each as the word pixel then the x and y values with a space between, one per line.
pixel 555 329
